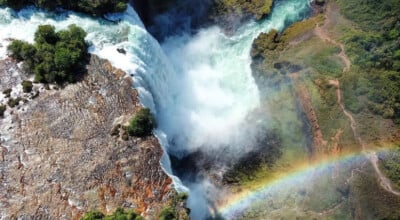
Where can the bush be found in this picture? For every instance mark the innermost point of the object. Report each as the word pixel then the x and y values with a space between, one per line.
pixel 13 102
pixel 142 124
pixel 167 213
pixel 391 165
pixel 27 86
pixel 119 214
pixel 56 57
pixel 21 50
pixel 93 215
pixel 7 92
pixel 2 110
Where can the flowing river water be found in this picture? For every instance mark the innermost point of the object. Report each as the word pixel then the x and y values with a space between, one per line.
pixel 200 86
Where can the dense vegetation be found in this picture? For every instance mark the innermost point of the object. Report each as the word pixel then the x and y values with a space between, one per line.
pixel 93 7
pixel 375 52
pixel 56 57
pixel 142 123
pixel 391 164
pixel 119 214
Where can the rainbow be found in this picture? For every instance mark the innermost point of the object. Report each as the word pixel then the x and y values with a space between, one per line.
pixel 236 204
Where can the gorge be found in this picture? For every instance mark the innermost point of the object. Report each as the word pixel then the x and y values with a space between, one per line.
pixel 237 123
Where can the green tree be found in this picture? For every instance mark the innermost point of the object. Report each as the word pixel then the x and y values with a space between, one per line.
pixel 56 57
pixel 142 123
pixel 46 34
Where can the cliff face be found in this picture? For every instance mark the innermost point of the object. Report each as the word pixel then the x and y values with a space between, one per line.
pixel 171 17
pixel 59 159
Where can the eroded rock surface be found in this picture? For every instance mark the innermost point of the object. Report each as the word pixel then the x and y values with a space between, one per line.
pixel 59 159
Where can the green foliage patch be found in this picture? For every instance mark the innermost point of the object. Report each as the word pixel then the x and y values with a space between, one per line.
pixel 374 49
pixel 27 86
pixel 56 57
pixel 142 123
pixel 13 102
pixel 119 214
pixel 377 44
pixel 391 165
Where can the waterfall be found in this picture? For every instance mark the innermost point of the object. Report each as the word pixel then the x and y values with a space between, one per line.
pixel 199 86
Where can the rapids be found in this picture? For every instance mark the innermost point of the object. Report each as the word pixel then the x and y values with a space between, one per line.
pixel 199 86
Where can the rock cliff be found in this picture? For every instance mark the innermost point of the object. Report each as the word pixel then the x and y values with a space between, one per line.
pixel 58 157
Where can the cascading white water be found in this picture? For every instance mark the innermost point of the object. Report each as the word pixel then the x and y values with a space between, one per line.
pixel 213 89
pixel 200 87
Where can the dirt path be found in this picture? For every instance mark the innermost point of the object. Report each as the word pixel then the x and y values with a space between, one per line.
pixel 372 156
pixel 321 32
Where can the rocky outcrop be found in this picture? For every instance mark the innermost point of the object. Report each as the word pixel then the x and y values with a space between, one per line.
pixel 59 159
pixel 229 14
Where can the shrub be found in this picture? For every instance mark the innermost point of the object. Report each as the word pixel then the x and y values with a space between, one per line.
pixel 7 92
pixel 167 213
pixel 21 50
pixel 2 110
pixel 27 86
pixel 93 215
pixel 141 124
pixel 119 214
pixel 13 102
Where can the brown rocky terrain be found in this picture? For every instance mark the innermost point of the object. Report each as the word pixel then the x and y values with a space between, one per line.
pixel 59 159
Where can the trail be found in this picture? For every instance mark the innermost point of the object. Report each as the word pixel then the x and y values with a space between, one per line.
pixel 321 32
